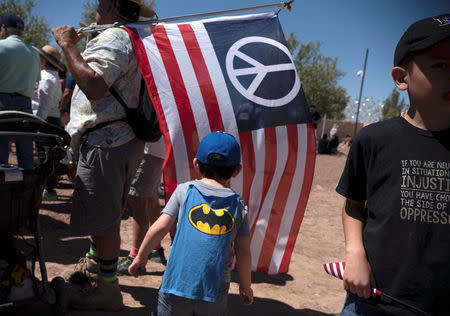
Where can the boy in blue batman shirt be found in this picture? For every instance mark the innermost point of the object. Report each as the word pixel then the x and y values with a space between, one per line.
pixel 211 221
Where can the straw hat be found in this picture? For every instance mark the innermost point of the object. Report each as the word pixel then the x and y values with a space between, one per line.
pixel 145 11
pixel 52 55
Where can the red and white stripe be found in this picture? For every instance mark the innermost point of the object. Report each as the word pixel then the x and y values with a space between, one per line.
pixel 335 269
pixel 191 99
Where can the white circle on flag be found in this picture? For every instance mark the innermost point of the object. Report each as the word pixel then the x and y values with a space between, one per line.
pixel 260 71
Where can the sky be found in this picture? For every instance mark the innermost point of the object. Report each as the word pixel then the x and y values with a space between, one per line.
pixel 346 29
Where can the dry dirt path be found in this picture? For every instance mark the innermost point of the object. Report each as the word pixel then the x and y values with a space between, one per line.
pixel 305 290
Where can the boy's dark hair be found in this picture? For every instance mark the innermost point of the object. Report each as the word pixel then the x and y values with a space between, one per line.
pixel 216 172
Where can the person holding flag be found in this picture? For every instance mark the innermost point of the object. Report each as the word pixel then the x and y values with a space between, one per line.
pixel 109 150
pixel 397 187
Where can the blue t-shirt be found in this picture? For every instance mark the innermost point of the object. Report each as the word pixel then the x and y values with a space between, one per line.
pixel 20 66
pixel 70 83
pixel 209 219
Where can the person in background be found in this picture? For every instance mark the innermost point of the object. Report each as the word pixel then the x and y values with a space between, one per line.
pixel 344 146
pixel 323 147
pixel 143 201
pixel 64 104
pixel 45 102
pixel 19 72
pixel 334 140
pixel 47 94
pixel 315 116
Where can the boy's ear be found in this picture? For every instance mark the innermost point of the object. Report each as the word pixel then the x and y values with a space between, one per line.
pixel 195 162
pixel 400 76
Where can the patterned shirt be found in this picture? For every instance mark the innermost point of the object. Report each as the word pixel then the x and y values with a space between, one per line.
pixel 111 56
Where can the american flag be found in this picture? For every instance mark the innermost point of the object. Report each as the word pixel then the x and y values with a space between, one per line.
pixel 235 74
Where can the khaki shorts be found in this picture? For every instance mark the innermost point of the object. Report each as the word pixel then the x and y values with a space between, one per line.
pixel 102 183
pixel 148 177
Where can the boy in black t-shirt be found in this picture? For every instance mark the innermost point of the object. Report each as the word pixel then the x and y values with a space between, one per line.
pixel 396 182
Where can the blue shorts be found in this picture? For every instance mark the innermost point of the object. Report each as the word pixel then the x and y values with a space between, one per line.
pixel 173 305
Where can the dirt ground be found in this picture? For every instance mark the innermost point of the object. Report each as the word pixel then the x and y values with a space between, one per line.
pixel 305 290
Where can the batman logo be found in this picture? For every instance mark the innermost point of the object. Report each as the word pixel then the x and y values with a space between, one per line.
pixel 211 221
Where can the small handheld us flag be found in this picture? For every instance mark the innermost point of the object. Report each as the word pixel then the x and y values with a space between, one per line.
pixel 337 269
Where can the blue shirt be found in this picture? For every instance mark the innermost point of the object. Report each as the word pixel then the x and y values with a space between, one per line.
pixel 209 220
pixel 70 83
pixel 20 66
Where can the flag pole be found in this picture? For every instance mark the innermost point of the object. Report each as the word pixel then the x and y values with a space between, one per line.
pixel 360 93
pixel 337 269
pixel 96 28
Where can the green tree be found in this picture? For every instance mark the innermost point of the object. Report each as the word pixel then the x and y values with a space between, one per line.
pixel 37 31
pixel 393 105
pixel 319 76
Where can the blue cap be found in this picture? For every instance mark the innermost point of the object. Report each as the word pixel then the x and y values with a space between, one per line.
pixel 220 143
pixel 12 20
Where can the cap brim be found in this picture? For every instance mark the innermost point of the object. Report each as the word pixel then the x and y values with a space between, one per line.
pixel 146 12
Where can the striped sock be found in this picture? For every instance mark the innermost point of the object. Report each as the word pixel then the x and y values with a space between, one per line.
pixel 108 268
pixel 93 249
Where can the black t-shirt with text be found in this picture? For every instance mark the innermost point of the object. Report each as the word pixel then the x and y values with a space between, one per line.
pixel 403 175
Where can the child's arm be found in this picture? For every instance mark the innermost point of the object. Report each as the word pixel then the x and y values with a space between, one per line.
pixel 154 235
pixel 244 262
pixel 358 277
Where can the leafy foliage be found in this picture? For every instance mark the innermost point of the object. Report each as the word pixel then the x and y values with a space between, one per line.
pixel 37 31
pixel 319 76
pixel 393 105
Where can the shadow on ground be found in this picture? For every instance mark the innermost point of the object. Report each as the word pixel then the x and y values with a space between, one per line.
pixel 267 307
pixel 62 206
pixel 260 307
pixel 275 279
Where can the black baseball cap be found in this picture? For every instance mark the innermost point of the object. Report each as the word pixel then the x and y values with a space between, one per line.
pixel 12 20
pixel 422 35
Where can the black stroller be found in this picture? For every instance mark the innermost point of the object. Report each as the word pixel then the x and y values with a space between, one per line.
pixel 20 198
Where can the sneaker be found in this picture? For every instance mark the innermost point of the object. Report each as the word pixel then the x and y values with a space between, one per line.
pixel 87 266
pixel 158 256
pixel 49 195
pixel 102 296
pixel 124 264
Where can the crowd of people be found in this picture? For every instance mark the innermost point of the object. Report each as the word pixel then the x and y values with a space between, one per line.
pixel 392 243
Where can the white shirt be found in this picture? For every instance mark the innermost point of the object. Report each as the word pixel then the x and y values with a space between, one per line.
pixel 47 95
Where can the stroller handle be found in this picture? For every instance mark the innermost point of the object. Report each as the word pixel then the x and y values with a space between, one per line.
pixel 50 139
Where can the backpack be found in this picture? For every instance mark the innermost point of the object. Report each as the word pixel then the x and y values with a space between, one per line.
pixel 145 125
